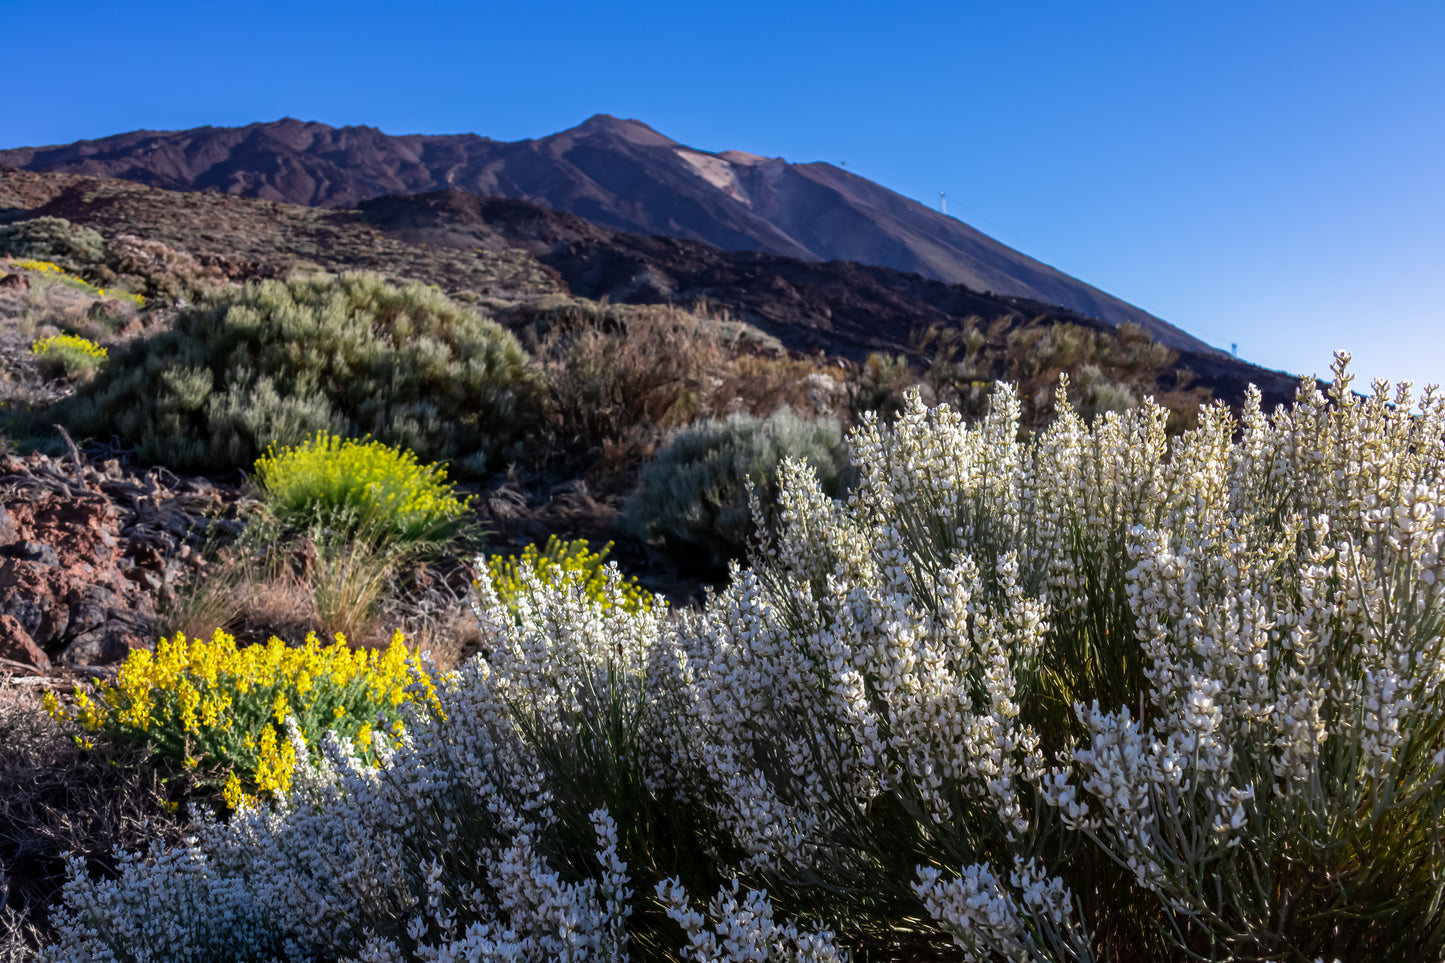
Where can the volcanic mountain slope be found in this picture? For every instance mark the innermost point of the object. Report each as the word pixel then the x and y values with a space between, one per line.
pixel 841 308
pixel 520 252
pixel 249 239
pixel 620 174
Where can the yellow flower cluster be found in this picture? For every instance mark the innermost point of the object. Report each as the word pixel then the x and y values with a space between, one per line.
pixel 207 706
pixel 44 267
pixel 374 482
pixel 62 344
pixel 560 562
pixel 47 267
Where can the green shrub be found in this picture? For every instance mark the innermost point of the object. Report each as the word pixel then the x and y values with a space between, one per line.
pixel 52 239
pixel 331 481
pixel 693 499
pixel 274 362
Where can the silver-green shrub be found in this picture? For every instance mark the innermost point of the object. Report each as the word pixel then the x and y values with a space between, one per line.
pixel 53 239
pixel 275 362
pixel 457 846
pixel 692 500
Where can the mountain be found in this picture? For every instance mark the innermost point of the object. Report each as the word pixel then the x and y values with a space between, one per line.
pixel 620 174
pixel 510 251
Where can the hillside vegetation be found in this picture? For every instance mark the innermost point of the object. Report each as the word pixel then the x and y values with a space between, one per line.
pixel 529 626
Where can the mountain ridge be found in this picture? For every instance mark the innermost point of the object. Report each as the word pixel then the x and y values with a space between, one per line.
pixel 617 172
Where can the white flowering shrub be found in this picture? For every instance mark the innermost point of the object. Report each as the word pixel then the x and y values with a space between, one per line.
pixel 1094 694
pixel 1113 694
pixel 734 931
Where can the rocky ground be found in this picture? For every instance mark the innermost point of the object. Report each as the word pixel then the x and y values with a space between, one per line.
pixel 89 550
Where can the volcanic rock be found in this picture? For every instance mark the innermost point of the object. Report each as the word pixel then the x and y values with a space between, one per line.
pixel 85 555
pixel 17 646
pixel 37 552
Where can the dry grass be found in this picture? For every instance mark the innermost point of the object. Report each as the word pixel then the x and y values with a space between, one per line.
pixel 287 590
pixel 327 585
pixel 348 582
pixel 245 591
pixel 619 376
pixel 55 799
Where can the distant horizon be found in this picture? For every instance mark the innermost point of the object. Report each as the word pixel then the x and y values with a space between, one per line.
pixel 1265 175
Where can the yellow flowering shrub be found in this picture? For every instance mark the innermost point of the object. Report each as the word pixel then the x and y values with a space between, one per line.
pixel 44 267
pixel 51 269
pixel 73 354
pixel 208 707
pixel 559 562
pixel 375 486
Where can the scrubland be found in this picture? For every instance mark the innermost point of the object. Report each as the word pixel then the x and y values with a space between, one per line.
pixel 982 671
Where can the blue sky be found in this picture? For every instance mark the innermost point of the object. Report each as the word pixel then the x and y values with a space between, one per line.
pixel 1266 173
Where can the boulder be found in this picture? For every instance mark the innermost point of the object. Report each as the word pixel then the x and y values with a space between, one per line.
pixel 17 646
pixel 60 579
pixel 111 641
pixel 34 596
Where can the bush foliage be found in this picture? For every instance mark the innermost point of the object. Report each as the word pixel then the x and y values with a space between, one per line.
pixel 75 357
pixel 160 271
pixel 357 486
pixel 274 362
pixel 220 713
pixel 1097 693
pixel 53 239
pixel 560 563
pixel 1107 370
pixel 617 372
pixel 692 500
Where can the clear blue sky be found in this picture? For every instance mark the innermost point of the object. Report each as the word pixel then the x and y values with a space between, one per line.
pixel 1260 172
